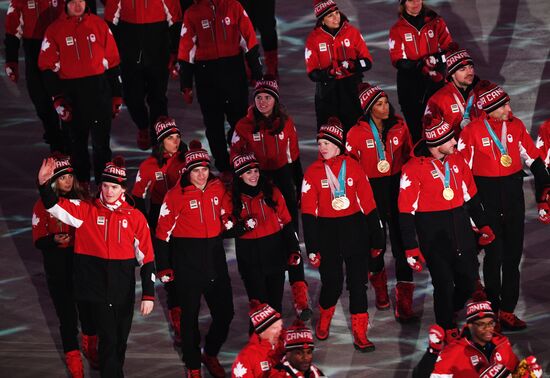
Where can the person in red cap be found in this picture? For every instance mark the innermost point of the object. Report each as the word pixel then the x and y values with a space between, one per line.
pixel 341 227
pixel 189 248
pixel 495 147
pixel 298 360
pixel 269 132
pixel 259 356
pixel 543 144
pixel 456 101
pixel 417 44
pixel 437 197
pixel 56 241
pixel 22 24
pixel 381 142
pixel 336 56
pixel 110 238
pixel 215 36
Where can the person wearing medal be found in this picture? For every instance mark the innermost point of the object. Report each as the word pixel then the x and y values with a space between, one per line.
pixel 381 142
pixel 437 197
pixel 494 147
pixel 341 226
pixel 543 144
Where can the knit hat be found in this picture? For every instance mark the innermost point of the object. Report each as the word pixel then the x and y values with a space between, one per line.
pixel 244 161
pixel 323 7
pixel 298 336
pixel 478 310
pixel 164 127
pixel 436 131
pixel 456 58
pixel 62 166
pixel 115 171
pixel 262 316
pixel 196 156
pixel 332 131
pixel 490 96
pixel 267 85
pixel 368 95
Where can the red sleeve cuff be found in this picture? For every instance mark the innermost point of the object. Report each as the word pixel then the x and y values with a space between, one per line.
pixel 147 298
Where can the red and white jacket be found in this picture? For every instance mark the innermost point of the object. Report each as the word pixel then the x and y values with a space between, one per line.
pixel 543 141
pixel 76 47
pixel 142 12
pixel 325 51
pixel 406 42
pixel 421 188
pixel 268 221
pixel 316 194
pixel 449 104
pixel 190 212
pixel 155 181
pixel 285 369
pixel 361 145
pixel 255 360
pixel 483 156
pixel 462 359
pixel 29 19
pixel 45 224
pixel 273 151
pixel 214 29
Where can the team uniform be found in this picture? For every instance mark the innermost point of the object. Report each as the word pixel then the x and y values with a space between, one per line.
pixel 543 141
pixel 284 369
pixel 27 21
pixel 255 360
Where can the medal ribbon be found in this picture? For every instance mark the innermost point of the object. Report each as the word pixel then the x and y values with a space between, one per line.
pixel 337 186
pixel 379 146
pixel 468 107
pixel 501 144
pixel 446 180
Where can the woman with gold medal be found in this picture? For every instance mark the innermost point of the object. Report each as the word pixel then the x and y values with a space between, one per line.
pixel 381 142
pixel 341 228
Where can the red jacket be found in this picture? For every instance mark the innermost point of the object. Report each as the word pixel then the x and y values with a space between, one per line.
pixel 361 145
pixel 191 212
pixel 406 42
pixel 462 359
pixel 214 29
pixel 272 151
pixel 543 141
pixel 482 154
pixel 142 12
pixel 76 47
pixel 449 104
pixel 325 51
pixel 284 369
pixel 44 225
pixel 30 18
pixel 255 360
pixel 316 194
pixel 421 188
pixel 155 181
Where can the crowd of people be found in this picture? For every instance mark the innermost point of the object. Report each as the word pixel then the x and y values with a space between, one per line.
pixel 443 182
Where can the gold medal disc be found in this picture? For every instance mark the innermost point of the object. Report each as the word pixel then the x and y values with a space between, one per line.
pixel 340 203
pixel 383 166
pixel 448 194
pixel 506 160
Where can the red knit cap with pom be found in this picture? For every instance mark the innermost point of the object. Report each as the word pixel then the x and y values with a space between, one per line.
pixel 455 58
pixel 115 171
pixel 436 131
pixel 332 131
pixel 196 156
pixel 490 96
pixel 262 315
pixel 62 165
pixel 298 336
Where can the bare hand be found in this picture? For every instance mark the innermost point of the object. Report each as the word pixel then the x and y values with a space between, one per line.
pixel 46 171
pixel 146 307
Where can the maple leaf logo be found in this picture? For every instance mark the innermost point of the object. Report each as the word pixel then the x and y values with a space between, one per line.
pixel 239 371
pixel 428 110
pixel 105 63
pixel 164 210
pixel 11 9
pixel 391 44
pixel 404 183
pixel 45 44
pixel 75 202
pixel 35 220
pixel 540 142
pixel 433 337
pixel 138 177
pixel 460 145
pixel 308 53
pixel 305 187
pixel 348 147
pixel 183 30
pixel 235 138
pixel 228 225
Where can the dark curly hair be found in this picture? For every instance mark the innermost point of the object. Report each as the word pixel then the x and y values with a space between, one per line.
pixel 265 186
pixel 386 123
pixel 275 122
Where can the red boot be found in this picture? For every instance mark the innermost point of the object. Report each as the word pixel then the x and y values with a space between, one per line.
pixel 89 349
pixel 510 322
pixel 379 282
pixel 194 373
pixel 272 63
pixel 175 322
pixel 451 335
pixel 213 365
pixel 323 324
pixel 359 327
pixel 74 364
pixel 301 301
pixel 403 302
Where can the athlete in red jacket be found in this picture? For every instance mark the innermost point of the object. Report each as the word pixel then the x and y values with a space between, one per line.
pixel 110 238
pixel 543 144
pixel 381 142
pixel 336 55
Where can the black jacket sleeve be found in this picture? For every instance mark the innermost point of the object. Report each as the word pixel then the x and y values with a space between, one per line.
pixel 147 284
pixel 542 178
pixel 47 195
pixel 186 74
pixel 408 65
pixel 320 76
pixel 362 65
pixel 162 254
pixel 11 44
pixel 254 62
pixel 476 211
pixel 375 230
pixel 46 242
pixel 408 230
pixel 140 205
pixel 52 83
pixel 174 32
pixel 115 81
pixel 311 233
pixel 291 238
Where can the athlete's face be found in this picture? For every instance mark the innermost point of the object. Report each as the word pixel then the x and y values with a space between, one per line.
pixel 327 149
pixel 199 176
pixel 171 143
pixel 111 191
pixel 381 109
pixel 332 20
pixel 76 7
pixel 448 148
pixel 482 330
pixel 413 7
pixel 272 333
pixel 464 76
pixel 251 177
pixel 503 113
pixel 65 183
pixel 300 358
pixel 264 103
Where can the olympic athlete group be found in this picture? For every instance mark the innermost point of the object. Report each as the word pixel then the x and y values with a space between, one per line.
pixel 443 182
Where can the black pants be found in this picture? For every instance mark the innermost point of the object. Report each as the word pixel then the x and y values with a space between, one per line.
pixel 262 15
pixel 267 288
pixel 222 93
pixel 386 192
pixel 504 204
pixel 58 266
pixel 41 100
pixel 113 323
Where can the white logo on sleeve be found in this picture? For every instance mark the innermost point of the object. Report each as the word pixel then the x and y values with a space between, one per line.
pixel 348 147
pixel 138 177
pixel 164 210
pixel 308 53
pixel 239 371
pixel 540 142
pixel 404 183
pixel 35 220
pixel 75 202
pixel 305 186
pixel 391 44
pixel 45 44
pixel 183 30
pixel 460 146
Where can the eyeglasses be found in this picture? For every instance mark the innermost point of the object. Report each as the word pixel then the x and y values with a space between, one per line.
pixel 484 326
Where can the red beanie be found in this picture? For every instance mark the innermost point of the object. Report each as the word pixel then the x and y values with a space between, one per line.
pixel 164 127
pixel 196 156
pixel 244 161
pixel 323 7
pixel 115 171
pixel 267 85
pixel 490 96
pixel 479 310
pixel 298 336
pixel 262 316
pixel 368 95
pixel 436 131
pixel 456 58
pixel 62 166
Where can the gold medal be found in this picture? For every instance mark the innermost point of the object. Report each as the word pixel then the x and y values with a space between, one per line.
pixel 340 203
pixel 506 160
pixel 383 166
pixel 448 194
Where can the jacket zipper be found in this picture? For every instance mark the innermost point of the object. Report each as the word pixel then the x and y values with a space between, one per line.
pixel 263 143
pixel 276 136
pixel 118 232
pixel 262 208
pixel 213 208
pixel 200 211
pixel 224 32
pixel 76 48
pixel 106 227
pixel 89 46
